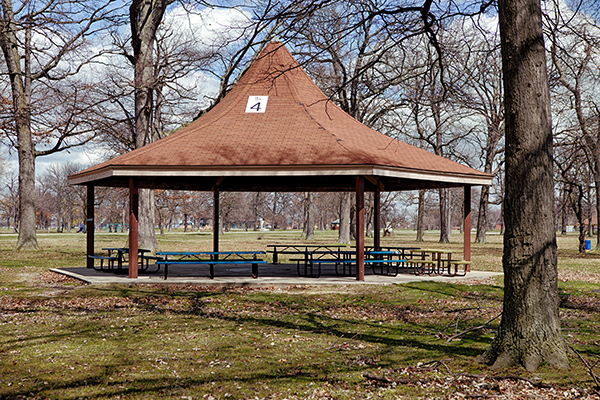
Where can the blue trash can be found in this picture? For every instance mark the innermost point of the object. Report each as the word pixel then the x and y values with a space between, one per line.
pixel 588 244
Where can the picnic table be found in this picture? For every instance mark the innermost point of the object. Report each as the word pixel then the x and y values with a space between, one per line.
pixel 404 251
pixel 302 249
pixel 210 258
pixel 345 260
pixel 436 261
pixel 117 255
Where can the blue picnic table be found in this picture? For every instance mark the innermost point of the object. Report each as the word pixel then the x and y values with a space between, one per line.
pixel 210 258
pixel 345 260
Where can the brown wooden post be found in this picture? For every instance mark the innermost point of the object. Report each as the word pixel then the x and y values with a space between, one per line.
pixel 377 218
pixel 216 221
pixel 133 227
pixel 467 226
pixel 90 225
pixel 360 228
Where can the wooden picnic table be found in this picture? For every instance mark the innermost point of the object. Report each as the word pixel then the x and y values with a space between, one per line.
pixel 435 264
pixel 210 258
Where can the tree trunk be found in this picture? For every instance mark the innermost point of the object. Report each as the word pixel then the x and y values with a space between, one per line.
pixel 529 332
pixel 576 201
pixel 445 225
pixel 27 239
pixel 145 17
pixel 19 71
pixel 563 212
pixel 309 217
pixel 146 220
pixel 420 212
pixel 597 182
pixel 482 219
pixel 345 210
pixel 482 216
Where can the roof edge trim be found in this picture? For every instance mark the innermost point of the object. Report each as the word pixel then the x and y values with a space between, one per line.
pixel 279 170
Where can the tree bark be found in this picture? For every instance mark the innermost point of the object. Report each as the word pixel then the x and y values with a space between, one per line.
pixel 27 239
pixel 597 182
pixel 445 225
pixel 420 213
pixel 19 71
pixel 345 209
pixel 482 216
pixel 145 18
pixel 309 217
pixel 147 220
pixel 493 137
pixel 529 332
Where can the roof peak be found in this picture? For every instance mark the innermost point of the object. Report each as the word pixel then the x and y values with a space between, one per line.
pixel 276 119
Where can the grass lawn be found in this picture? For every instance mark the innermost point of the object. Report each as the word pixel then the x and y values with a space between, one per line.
pixel 61 339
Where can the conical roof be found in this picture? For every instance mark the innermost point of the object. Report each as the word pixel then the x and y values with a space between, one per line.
pixel 277 123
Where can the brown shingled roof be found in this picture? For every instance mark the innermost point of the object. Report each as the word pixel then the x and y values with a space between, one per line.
pixel 299 139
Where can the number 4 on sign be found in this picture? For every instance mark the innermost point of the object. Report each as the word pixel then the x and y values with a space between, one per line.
pixel 257 104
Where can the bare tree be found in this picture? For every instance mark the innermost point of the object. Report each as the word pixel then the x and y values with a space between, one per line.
pixel 482 93
pixel 351 56
pixel 145 17
pixel 36 40
pixel 529 332
pixel 9 203
pixel 574 43
pixel 573 169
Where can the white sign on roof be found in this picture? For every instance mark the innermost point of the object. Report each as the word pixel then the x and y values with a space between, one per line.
pixel 257 104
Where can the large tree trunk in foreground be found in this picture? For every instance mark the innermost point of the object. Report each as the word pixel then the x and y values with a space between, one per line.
pixel 529 332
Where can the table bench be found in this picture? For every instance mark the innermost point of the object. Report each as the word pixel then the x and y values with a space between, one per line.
pixel 421 267
pixel 146 258
pixel 437 264
pixel 456 264
pixel 387 263
pixel 120 255
pixel 110 261
pixel 201 258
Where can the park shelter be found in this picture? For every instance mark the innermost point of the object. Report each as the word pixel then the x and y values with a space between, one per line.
pixel 277 131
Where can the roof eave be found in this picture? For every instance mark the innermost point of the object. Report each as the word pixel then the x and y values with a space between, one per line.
pixel 474 179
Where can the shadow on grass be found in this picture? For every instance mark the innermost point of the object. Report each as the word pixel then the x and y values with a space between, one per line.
pixel 483 292
pixel 386 339
pixel 102 386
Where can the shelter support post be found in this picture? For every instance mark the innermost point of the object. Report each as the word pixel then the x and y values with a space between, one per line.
pixel 467 226
pixel 216 221
pixel 377 218
pixel 134 198
pixel 90 225
pixel 360 228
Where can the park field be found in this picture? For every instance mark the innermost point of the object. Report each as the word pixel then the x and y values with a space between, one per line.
pixel 62 339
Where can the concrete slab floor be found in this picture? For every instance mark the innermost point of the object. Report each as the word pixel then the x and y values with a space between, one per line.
pixel 269 275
